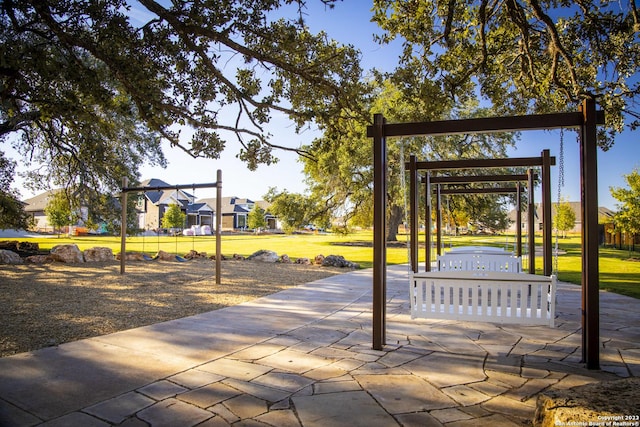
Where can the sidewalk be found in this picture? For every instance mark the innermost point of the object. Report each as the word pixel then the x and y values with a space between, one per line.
pixel 303 357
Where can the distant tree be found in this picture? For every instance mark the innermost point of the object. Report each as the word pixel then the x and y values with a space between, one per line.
pixel 173 217
pixel 565 218
pixel 256 218
pixel 340 171
pixel 294 210
pixel 59 210
pixel 12 214
pixel 627 218
pixel 494 218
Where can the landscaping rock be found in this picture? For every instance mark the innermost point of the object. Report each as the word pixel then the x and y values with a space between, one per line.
pixel 195 254
pixel 98 254
pixel 303 261
pixel 132 256
pixel 28 247
pixel 607 402
pixel 67 253
pixel 238 257
pixel 284 259
pixel 165 256
pixel 263 256
pixel 38 259
pixel 9 245
pixel 319 259
pixel 338 261
pixel 9 257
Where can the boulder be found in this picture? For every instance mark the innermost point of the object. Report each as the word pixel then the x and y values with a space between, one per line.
pixel 303 261
pixel 28 247
pixel 98 254
pixel 284 259
pixel 222 257
pixel 165 256
pixel 67 253
pixel 238 257
pixel 195 254
pixel 319 259
pixel 133 256
pixel 263 256
pixel 9 257
pixel 38 259
pixel 338 261
pixel 607 402
pixel 9 245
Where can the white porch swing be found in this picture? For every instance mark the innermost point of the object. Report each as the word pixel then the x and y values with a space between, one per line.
pixel 498 295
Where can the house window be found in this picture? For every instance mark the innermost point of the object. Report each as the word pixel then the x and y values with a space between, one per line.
pixel 242 221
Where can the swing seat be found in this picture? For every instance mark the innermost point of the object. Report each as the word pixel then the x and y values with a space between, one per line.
pixel 479 261
pixel 486 296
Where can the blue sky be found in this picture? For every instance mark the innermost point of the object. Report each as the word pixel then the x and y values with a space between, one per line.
pixel 349 23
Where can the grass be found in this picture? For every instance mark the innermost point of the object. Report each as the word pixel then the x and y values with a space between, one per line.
pixel 618 272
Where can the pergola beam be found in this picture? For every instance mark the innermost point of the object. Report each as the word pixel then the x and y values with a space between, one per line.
pixel 488 125
pixel 492 190
pixel 470 179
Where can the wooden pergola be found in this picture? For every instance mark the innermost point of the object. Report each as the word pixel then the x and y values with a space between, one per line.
pixel 586 120
pixel 439 181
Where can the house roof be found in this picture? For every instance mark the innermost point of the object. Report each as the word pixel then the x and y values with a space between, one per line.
pixel 39 202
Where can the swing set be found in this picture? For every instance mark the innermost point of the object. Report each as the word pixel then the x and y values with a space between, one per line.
pixel 586 120
pixel 123 226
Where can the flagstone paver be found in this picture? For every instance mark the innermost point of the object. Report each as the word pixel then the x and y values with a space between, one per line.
pixel 303 358
pixel 173 412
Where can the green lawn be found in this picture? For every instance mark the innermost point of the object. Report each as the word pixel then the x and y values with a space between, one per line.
pixel 618 273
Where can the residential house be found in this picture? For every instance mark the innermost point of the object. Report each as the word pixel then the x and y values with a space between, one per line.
pixel 36 205
pixel 152 205
pixel 35 208
pixel 575 206
pixel 235 212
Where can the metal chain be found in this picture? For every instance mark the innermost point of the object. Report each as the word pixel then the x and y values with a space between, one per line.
pixel 558 200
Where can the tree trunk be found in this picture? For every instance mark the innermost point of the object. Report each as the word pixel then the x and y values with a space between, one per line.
pixel 395 219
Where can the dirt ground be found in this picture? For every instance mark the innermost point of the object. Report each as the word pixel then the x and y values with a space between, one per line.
pixel 50 304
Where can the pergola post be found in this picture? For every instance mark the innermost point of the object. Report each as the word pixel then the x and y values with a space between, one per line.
pixel 413 208
pixel 531 215
pixel 546 212
pixel 438 221
pixel 427 223
pixel 218 225
pixel 518 220
pixel 123 226
pixel 379 232
pixel 590 270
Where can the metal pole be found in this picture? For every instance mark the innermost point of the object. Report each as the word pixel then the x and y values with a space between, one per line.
pixel 123 225
pixel 218 225
pixel 590 270
pixel 379 232
pixel 531 211
pixel 546 213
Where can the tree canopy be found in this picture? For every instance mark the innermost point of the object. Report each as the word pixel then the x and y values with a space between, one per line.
pixel 534 56
pixel 91 89
pixel 628 216
pixel 340 173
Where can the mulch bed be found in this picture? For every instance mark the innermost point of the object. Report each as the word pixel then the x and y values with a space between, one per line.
pixel 50 304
